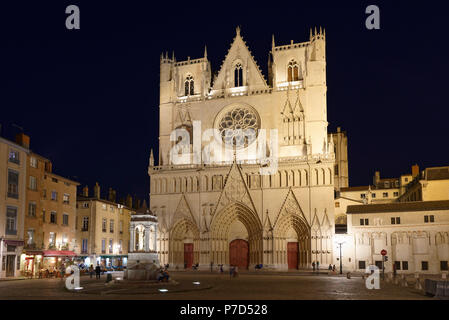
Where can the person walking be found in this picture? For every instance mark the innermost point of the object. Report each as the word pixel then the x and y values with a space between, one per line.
pixel 318 267
pixel 97 272
pixel 91 270
pixel 313 266
pixel 334 268
pixel 211 266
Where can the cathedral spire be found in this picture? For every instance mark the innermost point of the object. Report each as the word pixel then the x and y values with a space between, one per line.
pixel 310 37
pixel 272 42
pixel 237 31
pixel 205 52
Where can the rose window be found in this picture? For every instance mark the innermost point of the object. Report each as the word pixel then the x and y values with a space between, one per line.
pixel 239 127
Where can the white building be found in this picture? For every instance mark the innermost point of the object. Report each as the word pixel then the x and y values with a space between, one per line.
pixel 415 235
pixel 213 203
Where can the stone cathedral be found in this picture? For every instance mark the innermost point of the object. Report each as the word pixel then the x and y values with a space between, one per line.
pixel 228 211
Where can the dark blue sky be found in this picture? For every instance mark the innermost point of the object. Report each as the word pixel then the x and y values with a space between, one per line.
pixel 89 98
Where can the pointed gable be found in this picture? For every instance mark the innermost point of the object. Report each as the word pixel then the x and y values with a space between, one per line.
pixel 183 211
pixel 239 53
pixel 290 206
pixel 235 190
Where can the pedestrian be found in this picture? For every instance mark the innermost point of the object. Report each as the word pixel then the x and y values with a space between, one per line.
pixel 334 268
pixel 318 266
pixel 221 268
pixel 231 271
pixel 91 270
pixel 313 266
pixel 97 271
pixel 330 267
pixel 236 271
pixel 394 270
pixel 211 266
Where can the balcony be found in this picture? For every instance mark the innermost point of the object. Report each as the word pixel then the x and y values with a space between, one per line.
pixel 13 195
pixel 10 232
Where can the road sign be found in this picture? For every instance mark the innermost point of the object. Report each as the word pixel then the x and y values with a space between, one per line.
pixel 383 252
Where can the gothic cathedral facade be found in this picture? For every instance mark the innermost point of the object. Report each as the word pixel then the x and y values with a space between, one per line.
pixel 230 211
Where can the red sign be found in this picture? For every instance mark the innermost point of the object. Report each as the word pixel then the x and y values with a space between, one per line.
pixel 383 252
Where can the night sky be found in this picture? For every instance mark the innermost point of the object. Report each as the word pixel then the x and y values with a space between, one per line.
pixel 89 98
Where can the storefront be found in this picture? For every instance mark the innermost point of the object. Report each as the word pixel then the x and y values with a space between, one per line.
pixel 54 259
pixel 31 262
pixel 10 251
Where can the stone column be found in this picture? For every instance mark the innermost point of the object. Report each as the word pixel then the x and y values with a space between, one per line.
pixel 155 238
pixel 131 239
pixel 147 239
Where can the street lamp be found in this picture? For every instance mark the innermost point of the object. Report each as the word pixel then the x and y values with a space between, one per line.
pixel 341 262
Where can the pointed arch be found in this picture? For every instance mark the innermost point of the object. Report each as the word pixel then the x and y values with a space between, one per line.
pixel 220 228
pixel 183 232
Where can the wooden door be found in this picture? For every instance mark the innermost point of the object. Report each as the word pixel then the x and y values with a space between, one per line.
pixel 10 265
pixel 239 253
pixel 292 255
pixel 188 255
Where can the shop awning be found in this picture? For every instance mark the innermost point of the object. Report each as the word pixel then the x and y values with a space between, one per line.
pixel 33 252
pixel 18 243
pixel 59 253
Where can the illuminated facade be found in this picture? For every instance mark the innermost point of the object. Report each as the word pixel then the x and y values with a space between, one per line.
pixel 13 162
pixel 225 211
pixel 102 229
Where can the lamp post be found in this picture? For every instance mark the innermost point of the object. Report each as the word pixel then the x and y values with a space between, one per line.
pixel 341 262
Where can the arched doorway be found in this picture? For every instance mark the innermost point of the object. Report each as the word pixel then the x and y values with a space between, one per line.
pixel 292 236
pixel 239 253
pixel 184 244
pixel 236 222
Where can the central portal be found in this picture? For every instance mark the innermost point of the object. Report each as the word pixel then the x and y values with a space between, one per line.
pixel 239 253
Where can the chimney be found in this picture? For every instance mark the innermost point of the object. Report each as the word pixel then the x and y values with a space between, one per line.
pixel 23 140
pixel 415 170
pixel 111 195
pixel 86 191
pixel 97 191
pixel 376 178
pixel 129 201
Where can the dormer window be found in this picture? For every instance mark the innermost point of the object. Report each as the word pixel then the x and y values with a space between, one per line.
pixel 293 71
pixel 238 75
pixel 189 88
